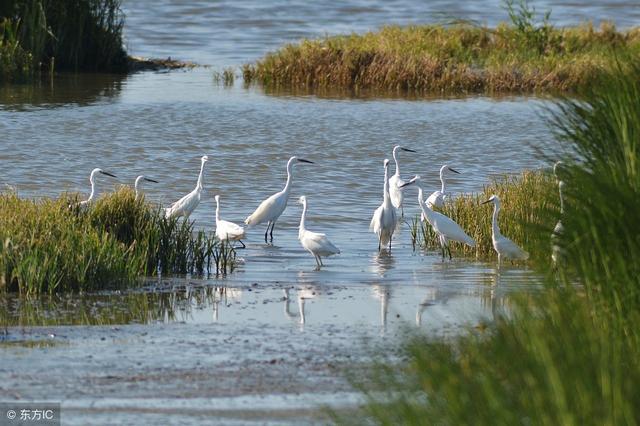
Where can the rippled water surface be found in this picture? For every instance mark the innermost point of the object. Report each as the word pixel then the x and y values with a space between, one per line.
pixel 243 341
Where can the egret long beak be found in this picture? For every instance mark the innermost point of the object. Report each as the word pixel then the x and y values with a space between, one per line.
pixel 150 180
pixel 302 160
pixel 407 149
pixel 109 174
pixel 485 202
pixel 412 181
pixel 454 171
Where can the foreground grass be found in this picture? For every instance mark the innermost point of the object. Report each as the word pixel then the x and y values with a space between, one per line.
pixel 522 56
pixel 47 247
pixel 569 355
pixel 526 217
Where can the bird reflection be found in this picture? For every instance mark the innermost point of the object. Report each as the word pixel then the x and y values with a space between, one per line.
pixel 226 295
pixel 382 293
pixel 302 295
pixel 428 300
pixel 382 262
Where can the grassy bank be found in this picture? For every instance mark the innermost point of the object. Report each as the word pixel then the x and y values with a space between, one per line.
pixel 568 355
pixel 524 55
pixel 47 247
pixel 76 35
pixel 526 217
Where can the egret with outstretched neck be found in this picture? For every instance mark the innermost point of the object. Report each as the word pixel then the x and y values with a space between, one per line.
pixel 395 181
pixel 137 186
pixel 438 198
pixel 92 180
pixel 385 218
pixel 314 242
pixel 446 228
pixel 270 209
pixel 187 204
pixel 502 245
pixel 225 230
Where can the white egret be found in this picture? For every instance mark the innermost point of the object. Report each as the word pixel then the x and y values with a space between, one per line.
pixel 503 246
pixel 225 230
pixel 556 251
pixel 395 181
pixel 315 243
pixel 137 186
pixel 270 209
pixel 385 218
pixel 445 227
pixel 438 198
pixel 187 204
pixel 92 179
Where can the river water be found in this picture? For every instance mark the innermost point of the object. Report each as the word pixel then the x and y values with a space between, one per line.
pixel 270 342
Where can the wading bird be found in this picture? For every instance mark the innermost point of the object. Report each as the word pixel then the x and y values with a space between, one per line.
pixel 444 226
pixel 503 246
pixel 395 181
pixel 92 179
pixel 225 230
pixel 270 209
pixel 137 186
pixel 557 253
pixel 385 218
pixel 438 198
pixel 187 204
pixel 315 243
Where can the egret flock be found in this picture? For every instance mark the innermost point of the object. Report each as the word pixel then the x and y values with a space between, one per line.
pixel 384 222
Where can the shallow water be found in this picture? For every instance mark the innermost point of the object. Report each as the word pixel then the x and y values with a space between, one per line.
pixel 237 342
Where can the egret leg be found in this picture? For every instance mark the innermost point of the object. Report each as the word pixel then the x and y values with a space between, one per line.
pixel 273 225
pixel 243 246
pixel 379 242
pixel 449 250
pixel 320 259
pixel 267 231
pixel 390 238
pixel 318 263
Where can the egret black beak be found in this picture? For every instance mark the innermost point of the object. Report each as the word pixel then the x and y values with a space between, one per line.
pixel 485 202
pixel 109 174
pixel 150 180
pixel 454 171
pixel 302 160
pixel 407 184
pixel 407 149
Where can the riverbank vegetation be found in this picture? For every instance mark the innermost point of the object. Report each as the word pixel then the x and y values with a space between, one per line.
pixel 49 246
pixel 526 55
pixel 527 203
pixel 569 354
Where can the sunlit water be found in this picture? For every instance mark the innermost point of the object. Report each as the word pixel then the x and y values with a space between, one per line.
pixel 195 342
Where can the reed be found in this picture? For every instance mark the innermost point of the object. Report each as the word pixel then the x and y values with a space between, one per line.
pixel 525 55
pixel 48 246
pixel 569 354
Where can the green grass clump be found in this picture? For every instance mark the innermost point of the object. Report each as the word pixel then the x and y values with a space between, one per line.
pixel 77 35
pixel 522 56
pixel 569 355
pixel 48 246
pixel 525 202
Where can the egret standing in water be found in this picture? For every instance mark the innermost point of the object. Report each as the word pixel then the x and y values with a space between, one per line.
pixel 385 218
pixel 270 209
pixel 395 181
pixel 438 198
pixel 503 246
pixel 92 179
pixel 557 252
pixel 315 243
pixel 139 180
pixel 187 204
pixel 446 228
pixel 225 230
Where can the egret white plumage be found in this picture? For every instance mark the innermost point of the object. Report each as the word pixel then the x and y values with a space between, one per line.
pixel 315 243
pixel 92 180
pixel 503 246
pixel 446 228
pixel 225 230
pixel 395 181
pixel 438 198
pixel 187 204
pixel 137 186
pixel 270 209
pixel 556 251
pixel 385 218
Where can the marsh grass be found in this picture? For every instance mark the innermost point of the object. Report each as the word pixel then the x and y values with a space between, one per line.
pixel 524 216
pixel 53 245
pixel 76 35
pixel 569 354
pixel 525 55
